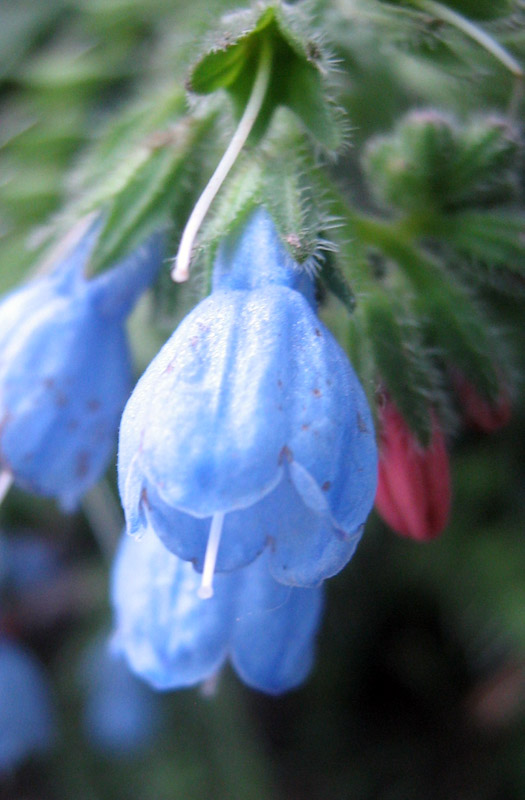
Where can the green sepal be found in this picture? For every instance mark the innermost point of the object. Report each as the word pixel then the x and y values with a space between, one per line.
pixel 487 239
pixel 431 164
pixel 449 315
pixel 276 181
pixel 288 194
pixel 401 360
pixel 335 281
pixel 119 147
pixel 453 320
pixel 298 72
pixel 239 195
pixel 144 199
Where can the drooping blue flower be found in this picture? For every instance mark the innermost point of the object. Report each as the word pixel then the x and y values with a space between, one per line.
pixel 26 719
pixel 121 714
pixel 65 370
pixel 172 638
pixel 250 429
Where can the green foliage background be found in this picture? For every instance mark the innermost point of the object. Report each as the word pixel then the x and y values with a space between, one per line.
pixel 419 686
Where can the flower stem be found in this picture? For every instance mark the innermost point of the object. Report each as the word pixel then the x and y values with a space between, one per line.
pixel 104 517
pixel 180 273
pixel 474 32
pixel 6 481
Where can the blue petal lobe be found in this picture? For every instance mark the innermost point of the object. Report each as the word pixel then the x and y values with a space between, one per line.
pixel 187 536
pixel 170 637
pixel 274 631
pixel 305 547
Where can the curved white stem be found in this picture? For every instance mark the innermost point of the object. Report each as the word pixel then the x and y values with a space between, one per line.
pixel 474 32
pixel 210 558
pixel 180 273
pixel 6 481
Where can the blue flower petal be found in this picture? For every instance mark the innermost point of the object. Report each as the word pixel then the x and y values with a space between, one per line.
pixel 243 538
pixel 68 380
pixel 214 424
pixel 168 634
pixel 252 410
pixel 274 631
pixel 65 371
pixel 305 546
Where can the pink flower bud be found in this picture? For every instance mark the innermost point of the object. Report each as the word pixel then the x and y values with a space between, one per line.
pixel 480 413
pixel 413 492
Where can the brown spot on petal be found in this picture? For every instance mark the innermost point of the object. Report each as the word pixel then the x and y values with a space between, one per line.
pixel 280 384
pixel 285 455
pixel 318 332
pixel 82 465
pixel 326 485
pixel 361 424
pixel 93 405
pixel 144 499
pixel 305 426
pixel 316 393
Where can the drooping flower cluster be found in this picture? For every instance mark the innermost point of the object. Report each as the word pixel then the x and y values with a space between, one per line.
pixel 247 447
pixel 65 371
pixel 413 491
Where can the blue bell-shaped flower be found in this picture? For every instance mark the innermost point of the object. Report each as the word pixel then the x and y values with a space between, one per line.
pixel 250 429
pixel 26 718
pixel 65 370
pixel 173 638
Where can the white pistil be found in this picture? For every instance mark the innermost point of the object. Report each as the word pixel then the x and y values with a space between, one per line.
pixel 6 481
pixel 210 559
pixel 180 273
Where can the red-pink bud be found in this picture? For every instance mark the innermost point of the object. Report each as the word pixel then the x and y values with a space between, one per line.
pixel 478 412
pixel 413 491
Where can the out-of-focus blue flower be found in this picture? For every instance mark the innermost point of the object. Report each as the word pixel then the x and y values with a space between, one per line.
pixel 65 371
pixel 29 561
pixel 121 714
pixel 251 423
pixel 173 638
pixel 26 719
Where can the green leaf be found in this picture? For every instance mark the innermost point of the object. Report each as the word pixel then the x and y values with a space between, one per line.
pixel 299 69
pixel 461 331
pixel 143 200
pixel 335 281
pixel 401 360
pixel 491 239
pixel 450 315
